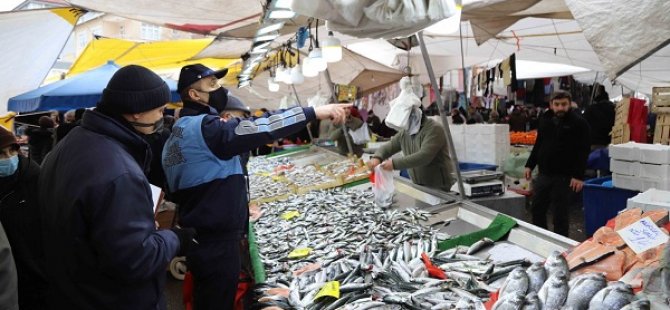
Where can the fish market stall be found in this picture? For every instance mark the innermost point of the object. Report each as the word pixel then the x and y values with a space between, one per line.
pixel 335 248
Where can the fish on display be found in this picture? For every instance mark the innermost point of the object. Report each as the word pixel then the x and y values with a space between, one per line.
pixel 513 301
pixel 665 273
pixel 555 263
pixel 615 296
pixel 517 281
pixel 554 292
pixel 532 302
pixel 582 290
pixel 641 304
pixel 536 277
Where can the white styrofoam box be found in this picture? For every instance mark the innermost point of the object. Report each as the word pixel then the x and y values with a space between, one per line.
pixel 487 129
pixel 654 153
pixel 626 151
pixel 651 199
pixel 647 184
pixel 457 129
pixel 631 168
pixel 654 172
pixel 626 182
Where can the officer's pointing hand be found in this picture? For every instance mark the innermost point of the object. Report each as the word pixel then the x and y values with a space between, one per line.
pixel 335 112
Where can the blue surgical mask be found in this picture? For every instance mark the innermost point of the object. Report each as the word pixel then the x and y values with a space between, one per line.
pixel 9 165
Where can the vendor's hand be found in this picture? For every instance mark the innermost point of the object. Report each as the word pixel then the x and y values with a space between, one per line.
pixel 576 185
pixel 335 112
pixel 387 165
pixel 373 162
pixel 528 173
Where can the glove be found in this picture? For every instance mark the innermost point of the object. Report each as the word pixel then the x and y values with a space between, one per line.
pixel 186 239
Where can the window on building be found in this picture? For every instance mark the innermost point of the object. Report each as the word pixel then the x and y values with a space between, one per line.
pixel 150 32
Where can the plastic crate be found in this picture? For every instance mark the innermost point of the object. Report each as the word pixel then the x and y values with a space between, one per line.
pixel 472 166
pixel 602 203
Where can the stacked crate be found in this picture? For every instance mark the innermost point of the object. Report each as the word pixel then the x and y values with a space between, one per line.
pixel 661 106
pixel 621 129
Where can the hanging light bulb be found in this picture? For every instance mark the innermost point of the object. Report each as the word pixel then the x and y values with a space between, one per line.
pixel 316 59
pixel 308 68
pixel 332 48
pixel 272 86
pixel 296 75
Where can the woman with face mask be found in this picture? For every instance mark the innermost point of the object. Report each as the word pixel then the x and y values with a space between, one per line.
pixel 19 214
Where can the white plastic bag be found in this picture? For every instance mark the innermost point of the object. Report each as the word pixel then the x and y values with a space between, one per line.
pixel 401 107
pixel 361 135
pixel 383 187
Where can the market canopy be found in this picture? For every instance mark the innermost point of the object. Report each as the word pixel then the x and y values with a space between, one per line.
pixel 80 91
pixel 163 57
pixel 30 44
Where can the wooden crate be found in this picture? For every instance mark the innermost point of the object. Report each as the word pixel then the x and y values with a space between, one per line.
pixel 620 133
pixel 662 130
pixel 660 99
pixel 622 110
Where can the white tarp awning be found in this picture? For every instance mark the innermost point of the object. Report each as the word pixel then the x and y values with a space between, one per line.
pixel 31 43
pixel 624 32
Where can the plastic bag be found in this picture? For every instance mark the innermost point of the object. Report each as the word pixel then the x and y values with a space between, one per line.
pixel 383 187
pixel 402 106
pixel 321 98
pixel 361 135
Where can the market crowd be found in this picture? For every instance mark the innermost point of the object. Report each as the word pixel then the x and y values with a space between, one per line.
pixel 77 217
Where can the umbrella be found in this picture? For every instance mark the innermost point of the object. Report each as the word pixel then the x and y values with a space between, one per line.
pixel 81 91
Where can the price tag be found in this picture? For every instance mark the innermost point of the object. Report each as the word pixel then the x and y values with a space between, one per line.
pixel 300 253
pixel 643 235
pixel 331 289
pixel 287 216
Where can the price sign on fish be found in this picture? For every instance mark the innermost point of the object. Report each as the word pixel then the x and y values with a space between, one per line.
pixel 643 235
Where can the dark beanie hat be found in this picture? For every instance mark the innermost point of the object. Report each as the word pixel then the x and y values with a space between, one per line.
pixel 134 89
pixel 7 138
pixel 46 122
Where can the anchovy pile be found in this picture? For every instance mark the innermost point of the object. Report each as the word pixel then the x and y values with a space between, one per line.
pixel 341 167
pixel 261 186
pixel 307 176
pixel 375 254
pixel 547 286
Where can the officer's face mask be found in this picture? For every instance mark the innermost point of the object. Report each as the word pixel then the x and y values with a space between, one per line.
pixel 8 166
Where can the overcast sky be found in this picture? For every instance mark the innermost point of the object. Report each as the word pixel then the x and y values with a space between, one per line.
pixel 8 5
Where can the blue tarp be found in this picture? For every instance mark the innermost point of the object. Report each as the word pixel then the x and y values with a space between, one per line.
pixel 81 91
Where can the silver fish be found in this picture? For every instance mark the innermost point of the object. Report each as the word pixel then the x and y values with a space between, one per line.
pixel 582 290
pixel 554 292
pixel 517 281
pixel 537 275
pixel 665 272
pixel 479 245
pixel 532 302
pixel 555 263
pixel 514 301
pixel 615 296
pixel 642 304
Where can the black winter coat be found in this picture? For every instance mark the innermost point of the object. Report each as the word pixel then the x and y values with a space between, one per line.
pixel 19 214
pixel 600 117
pixel 102 247
pixel 40 141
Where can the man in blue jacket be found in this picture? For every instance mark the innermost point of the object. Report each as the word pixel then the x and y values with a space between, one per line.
pixel 101 244
pixel 202 165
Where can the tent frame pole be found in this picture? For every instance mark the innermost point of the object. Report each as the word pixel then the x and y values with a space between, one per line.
pixel 443 115
pixel 297 98
pixel 334 97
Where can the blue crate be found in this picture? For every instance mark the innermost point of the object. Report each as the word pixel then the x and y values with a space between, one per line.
pixel 602 203
pixel 472 166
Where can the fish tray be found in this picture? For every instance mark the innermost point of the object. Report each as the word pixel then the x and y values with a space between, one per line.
pixel 662 129
pixel 660 98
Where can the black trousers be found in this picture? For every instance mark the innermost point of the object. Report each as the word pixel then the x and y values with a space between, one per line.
pixel 215 265
pixel 552 193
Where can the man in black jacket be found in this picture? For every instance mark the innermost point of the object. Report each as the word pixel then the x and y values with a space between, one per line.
pixel 101 244
pixel 600 117
pixel 560 153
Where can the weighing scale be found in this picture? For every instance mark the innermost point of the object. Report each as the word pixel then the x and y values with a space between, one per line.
pixel 481 183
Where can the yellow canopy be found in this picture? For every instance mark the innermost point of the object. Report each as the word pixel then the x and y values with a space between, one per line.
pixel 160 56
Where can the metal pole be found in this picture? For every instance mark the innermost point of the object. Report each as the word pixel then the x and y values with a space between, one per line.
pixel 309 130
pixel 593 91
pixel 334 97
pixel 465 78
pixel 443 115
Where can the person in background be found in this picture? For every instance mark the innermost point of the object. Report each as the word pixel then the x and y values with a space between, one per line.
pixel 474 117
pixel 9 296
pixel 353 122
pixel 204 173
pixel 518 119
pixel 600 116
pixel 560 154
pixel 69 124
pixel 236 109
pixel 494 117
pixel 101 244
pixel 20 216
pixel 456 117
pixel 55 117
pixel 41 140
pixel 426 155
